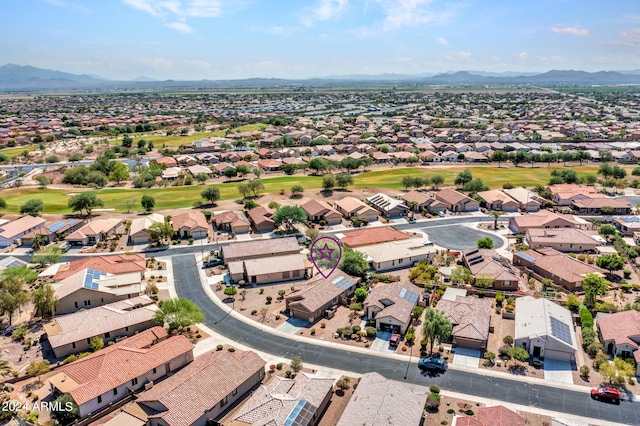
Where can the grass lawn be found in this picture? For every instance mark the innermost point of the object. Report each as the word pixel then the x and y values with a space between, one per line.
pixel 55 201
pixel 17 150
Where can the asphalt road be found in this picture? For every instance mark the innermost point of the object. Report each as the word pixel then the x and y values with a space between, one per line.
pixel 188 285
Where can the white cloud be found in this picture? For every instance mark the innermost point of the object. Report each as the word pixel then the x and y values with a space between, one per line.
pixel 628 37
pixel 523 55
pixel 443 41
pixel 580 32
pixel 462 54
pixel 179 26
pixel 325 10
pixel 411 13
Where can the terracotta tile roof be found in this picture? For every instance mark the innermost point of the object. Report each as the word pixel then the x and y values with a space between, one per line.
pixel 417 196
pixel 118 364
pixel 562 235
pixel 190 220
pixel 366 236
pixel 387 297
pixel 350 204
pixel 20 225
pixel 596 203
pixel 541 218
pixel 128 283
pixel 487 263
pixel 95 227
pixel 261 215
pixel 261 248
pixel 318 207
pixel 499 416
pixel 622 328
pixel 567 268
pixel 379 401
pixel 232 218
pixel 201 385
pixel 470 316
pixel 452 197
pixel 114 264
pixel 319 292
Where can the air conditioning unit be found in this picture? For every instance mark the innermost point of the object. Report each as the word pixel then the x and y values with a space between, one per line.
pixel 148 386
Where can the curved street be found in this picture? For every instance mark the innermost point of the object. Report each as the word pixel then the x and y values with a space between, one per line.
pixel 188 285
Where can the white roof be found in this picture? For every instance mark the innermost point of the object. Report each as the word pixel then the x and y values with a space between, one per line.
pixel 545 319
pixel 392 250
pixel 386 203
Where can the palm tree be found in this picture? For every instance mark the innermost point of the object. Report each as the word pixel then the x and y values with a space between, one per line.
pixel 37 242
pixel 495 215
pixel 5 369
pixel 412 208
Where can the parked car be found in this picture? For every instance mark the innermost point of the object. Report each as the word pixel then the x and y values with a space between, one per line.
pixel 214 261
pixel 433 364
pixel 606 394
pixel 65 247
pixel 395 340
pixel 441 214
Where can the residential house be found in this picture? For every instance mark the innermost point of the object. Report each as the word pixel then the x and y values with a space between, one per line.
pixel 421 200
pixel 110 374
pixel 114 264
pixel 456 201
pixel 260 248
pixel 52 231
pixel 72 333
pixel 620 335
pixel 93 232
pixel 265 270
pixel 262 219
pixel 450 156
pixel 220 168
pixel 198 169
pixel 171 173
pixel 319 295
pixel 186 160
pixel 491 416
pixel 352 207
pixel 285 402
pixel 391 305
pixel 89 288
pixel 11 262
pixel 202 391
pixel 617 206
pixel 565 194
pixel 367 236
pixel 498 200
pixel 11 232
pixel 233 222
pixel 488 267
pixel 192 224
pixel 627 225
pixel 430 157
pixel 569 240
pixel 563 270
pixel 139 229
pixel 166 161
pixel 397 254
pixel 318 210
pixel 528 201
pixel 387 206
pixel 544 219
pixel 378 400
pixel 269 165
pixel 471 320
pixel 544 329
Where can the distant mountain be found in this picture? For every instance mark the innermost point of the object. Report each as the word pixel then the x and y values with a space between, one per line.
pixel 12 72
pixel 377 77
pixel 144 78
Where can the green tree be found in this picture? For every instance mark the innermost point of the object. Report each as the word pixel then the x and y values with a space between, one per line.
pixel 119 172
pixel 38 241
pixel 45 300
pixel 13 295
pixel 96 344
pixel 289 169
pixel 475 185
pixel 202 177
pixel 230 172
pixel 42 180
pixel 32 207
pixel 611 262
pixel 343 180
pixel 244 190
pixel 436 328
pixel 461 275
pixel 178 313
pixel 318 164
pixel 255 185
pixel 243 170
pixel 328 182
pixel 499 156
pixel 593 286
pixel 518 354
pixel 3 203
pixel 297 191
pixel 148 202
pixel 65 410
pixel 485 243
pixel 360 295
pixel 38 368
pixel 436 180
pixel 211 194
pixel 607 230
pixel 161 232
pixel 354 263
pixel 86 201
pixel 463 178
pixel 296 364
pixel 289 216
pixel 407 182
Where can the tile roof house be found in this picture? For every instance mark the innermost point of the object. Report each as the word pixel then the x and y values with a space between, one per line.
pixel 471 320
pixel 544 219
pixel 456 201
pixel 110 374
pixel 192 224
pixel 320 294
pixel 563 270
pixel 139 229
pixel 11 232
pixel 528 201
pixel 423 201
pixel 72 333
pixel 620 335
pixel 387 206
pixel 232 221
pixel 318 210
pixel 380 401
pixel 620 206
pixel 94 231
pixel 498 200
pixel 397 254
pixel 285 402
pixel 197 169
pixel 352 207
pixel 89 288
pixel 627 225
pixel 259 248
pixel 491 416
pixel 564 240
pixel 264 270
pixel 544 329
pixel 367 236
pixel 112 264
pixel 52 231
pixel 262 219
pixel 202 390
pixel 487 264
pixel 391 305
pixel 168 161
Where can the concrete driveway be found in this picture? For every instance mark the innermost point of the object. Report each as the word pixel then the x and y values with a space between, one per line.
pixel 459 237
pixel 292 325
pixel 558 371
pixel 381 344
pixel 467 357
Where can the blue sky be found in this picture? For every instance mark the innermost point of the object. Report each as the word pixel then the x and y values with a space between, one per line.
pixel 229 39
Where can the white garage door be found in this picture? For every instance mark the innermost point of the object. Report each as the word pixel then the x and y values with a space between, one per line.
pixel 560 356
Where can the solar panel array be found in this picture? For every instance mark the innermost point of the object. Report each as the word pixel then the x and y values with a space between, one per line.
pixel 408 295
pixel 560 330
pixel 57 226
pixel 91 279
pixel 342 283
pixel 526 257
pixel 630 219
pixel 11 263
pixel 301 415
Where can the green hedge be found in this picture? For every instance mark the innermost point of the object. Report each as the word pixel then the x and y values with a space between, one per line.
pixel 586 319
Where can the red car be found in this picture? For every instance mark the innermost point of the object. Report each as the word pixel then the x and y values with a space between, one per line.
pixel 395 340
pixel 606 394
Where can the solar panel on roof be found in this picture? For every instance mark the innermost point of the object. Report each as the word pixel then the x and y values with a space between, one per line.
pixel 11 263
pixel 526 257
pixel 342 283
pixel 408 295
pixel 301 414
pixel 631 219
pixel 57 226
pixel 560 330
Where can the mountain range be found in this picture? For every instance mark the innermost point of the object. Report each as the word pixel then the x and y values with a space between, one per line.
pixel 27 78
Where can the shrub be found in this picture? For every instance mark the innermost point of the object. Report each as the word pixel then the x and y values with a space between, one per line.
pixel 508 340
pixel 588 336
pixel 288 373
pixel 451 411
pixel 231 349
pixel 254 312
pixel 593 348
pixel 269 299
pixel 219 347
pixel 272 367
pixel 434 389
pixel 262 290
pixel 584 371
pixel 586 319
pixel 277 317
pixel 69 359
pixel 279 366
pixel 371 332
pixel 469 412
pixel 313 331
pixel 433 402
pixel 627 274
pixel 356 328
pixel 19 333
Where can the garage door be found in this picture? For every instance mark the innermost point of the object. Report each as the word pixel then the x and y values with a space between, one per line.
pixel 469 343
pixel 560 356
